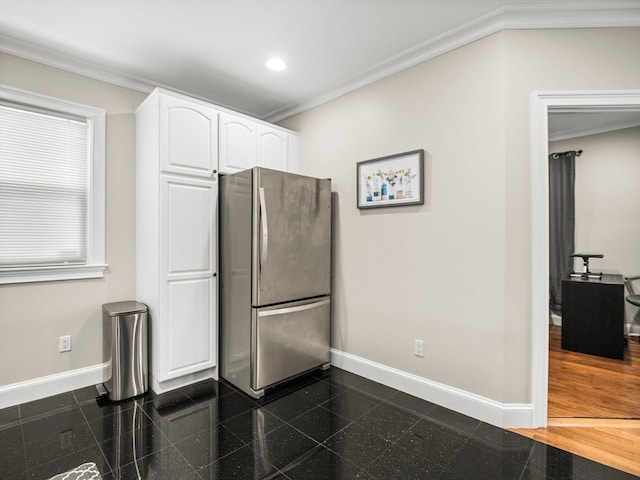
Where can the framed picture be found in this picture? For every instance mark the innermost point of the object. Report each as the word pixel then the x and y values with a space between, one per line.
pixel 391 181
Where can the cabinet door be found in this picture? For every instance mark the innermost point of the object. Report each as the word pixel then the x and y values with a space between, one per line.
pixel 272 148
pixel 188 337
pixel 292 159
pixel 188 137
pixel 238 143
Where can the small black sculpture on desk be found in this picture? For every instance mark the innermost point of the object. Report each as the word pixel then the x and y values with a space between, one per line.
pixel 585 265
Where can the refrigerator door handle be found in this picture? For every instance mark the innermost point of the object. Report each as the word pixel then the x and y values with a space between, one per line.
pixel 299 308
pixel 265 231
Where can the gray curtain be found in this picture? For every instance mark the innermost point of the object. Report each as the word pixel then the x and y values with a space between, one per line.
pixel 562 175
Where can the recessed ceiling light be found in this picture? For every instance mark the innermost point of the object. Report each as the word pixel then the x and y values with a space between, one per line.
pixel 276 64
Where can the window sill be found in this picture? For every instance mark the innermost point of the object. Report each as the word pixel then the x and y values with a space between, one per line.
pixel 50 274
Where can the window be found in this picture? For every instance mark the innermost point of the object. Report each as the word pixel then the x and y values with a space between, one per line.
pixel 51 189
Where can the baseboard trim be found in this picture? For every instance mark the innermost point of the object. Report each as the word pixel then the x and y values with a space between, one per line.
pixel 476 406
pixel 511 415
pixel 21 392
pixel 42 387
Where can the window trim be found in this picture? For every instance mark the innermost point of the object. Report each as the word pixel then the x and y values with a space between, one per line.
pixel 96 244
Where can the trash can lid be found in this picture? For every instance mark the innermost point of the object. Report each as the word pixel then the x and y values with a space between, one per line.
pixel 122 308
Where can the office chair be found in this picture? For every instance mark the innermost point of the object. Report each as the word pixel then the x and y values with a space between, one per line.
pixel 633 298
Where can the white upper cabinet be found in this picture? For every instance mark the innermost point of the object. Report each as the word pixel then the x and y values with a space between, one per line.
pixel 272 148
pixel 245 143
pixel 292 159
pixel 189 137
pixel 238 143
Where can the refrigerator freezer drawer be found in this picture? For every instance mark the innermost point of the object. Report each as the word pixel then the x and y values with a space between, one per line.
pixel 289 339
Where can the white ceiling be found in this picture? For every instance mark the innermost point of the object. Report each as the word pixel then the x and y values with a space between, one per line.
pixel 216 49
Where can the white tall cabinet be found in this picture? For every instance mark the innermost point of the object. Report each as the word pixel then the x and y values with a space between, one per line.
pixel 176 236
pixel 181 145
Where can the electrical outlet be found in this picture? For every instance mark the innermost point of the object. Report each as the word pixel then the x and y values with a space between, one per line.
pixel 64 344
pixel 418 348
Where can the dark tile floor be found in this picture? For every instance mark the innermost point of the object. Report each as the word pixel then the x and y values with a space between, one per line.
pixel 327 425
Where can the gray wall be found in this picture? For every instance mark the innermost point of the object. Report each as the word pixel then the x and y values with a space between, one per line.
pixel 33 316
pixel 607 198
pixel 456 271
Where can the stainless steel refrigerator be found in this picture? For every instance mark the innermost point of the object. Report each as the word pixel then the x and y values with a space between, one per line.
pixel 275 277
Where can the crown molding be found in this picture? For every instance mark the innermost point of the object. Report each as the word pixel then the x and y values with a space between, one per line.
pixel 70 63
pixel 508 18
pixel 55 58
pixel 582 15
pixel 579 15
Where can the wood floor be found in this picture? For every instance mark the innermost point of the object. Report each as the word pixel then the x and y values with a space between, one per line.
pixel 588 386
pixel 594 405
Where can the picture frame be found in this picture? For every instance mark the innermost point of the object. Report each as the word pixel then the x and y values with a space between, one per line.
pixel 391 181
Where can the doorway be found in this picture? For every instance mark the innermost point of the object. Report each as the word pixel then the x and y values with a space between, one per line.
pixel 544 103
pixel 609 443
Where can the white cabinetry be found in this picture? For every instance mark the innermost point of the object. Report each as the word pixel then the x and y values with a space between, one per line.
pixel 176 251
pixel 187 286
pixel 181 144
pixel 247 143
pixel 238 143
pixel 272 148
pixel 189 140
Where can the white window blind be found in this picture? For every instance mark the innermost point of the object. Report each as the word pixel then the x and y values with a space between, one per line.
pixel 52 188
pixel 43 188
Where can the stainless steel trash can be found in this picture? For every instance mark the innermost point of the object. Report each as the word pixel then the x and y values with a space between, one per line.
pixel 124 337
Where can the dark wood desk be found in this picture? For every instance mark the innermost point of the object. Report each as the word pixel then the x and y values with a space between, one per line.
pixel 593 315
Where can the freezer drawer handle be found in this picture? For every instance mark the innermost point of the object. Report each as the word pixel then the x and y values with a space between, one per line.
pixel 265 230
pixel 283 311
